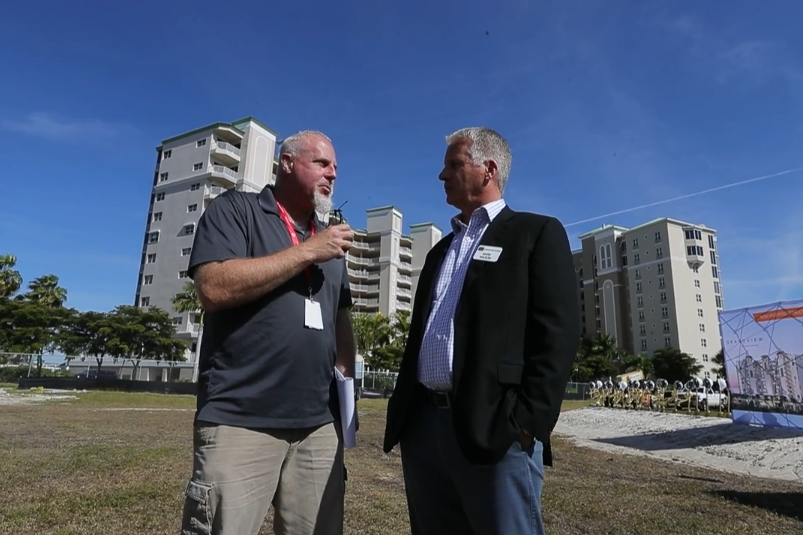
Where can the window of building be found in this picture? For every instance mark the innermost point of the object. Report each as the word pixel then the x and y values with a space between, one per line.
pixel 178 320
pixel 696 283
pixel 635 243
pixel 702 327
pixel 659 252
pixel 636 258
pixel 664 312
pixel 151 258
pixel 198 166
pixel 643 330
pixel 661 282
pixel 661 267
pixel 716 287
pixel 195 187
pixel 707 375
pixel 192 208
pixel 657 237
pixel 663 297
pixel 666 326
pixel 638 287
pixel 714 272
pixel 147 280
pixel 201 142
pixel 711 242
pixel 700 312
pixel 699 298
pixel 186 251
pixel 160 196
pixel 718 300
pixel 157 216
pixel 182 274
pixel 643 343
pixel 667 341
pixel 167 154
pixel 189 229
pixel 641 315
pixel 703 342
pixel 163 177
pixel 153 237
pixel 705 357
pixel 640 301
pixel 144 301
pixel 713 257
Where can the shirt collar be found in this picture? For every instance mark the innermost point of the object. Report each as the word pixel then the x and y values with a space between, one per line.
pixel 486 212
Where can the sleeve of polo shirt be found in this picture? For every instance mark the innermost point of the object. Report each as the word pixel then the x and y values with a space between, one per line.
pixel 221 233
pixel 345 289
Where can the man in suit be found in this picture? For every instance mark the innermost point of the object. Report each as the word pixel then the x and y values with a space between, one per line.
pixel 493 336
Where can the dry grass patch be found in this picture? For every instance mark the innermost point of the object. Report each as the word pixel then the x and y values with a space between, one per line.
pixel 76 469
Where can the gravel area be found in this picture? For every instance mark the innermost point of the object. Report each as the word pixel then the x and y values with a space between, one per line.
pixel 705 442
pixel 30 399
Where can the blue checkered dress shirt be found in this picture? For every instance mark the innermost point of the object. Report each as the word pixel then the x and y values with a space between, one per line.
pixel 437 346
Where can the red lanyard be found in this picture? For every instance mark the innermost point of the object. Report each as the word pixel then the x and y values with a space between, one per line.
pixel 294 238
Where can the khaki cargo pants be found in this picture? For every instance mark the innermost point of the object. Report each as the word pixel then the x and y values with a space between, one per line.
pixel 238 473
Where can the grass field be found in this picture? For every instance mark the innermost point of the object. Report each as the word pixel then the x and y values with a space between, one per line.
pixel 79 468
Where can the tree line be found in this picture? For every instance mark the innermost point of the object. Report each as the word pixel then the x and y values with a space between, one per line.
pixel 599 358
pixel 37 322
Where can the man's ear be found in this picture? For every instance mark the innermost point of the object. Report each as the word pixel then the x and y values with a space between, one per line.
pixel 491 171
pixel 286 161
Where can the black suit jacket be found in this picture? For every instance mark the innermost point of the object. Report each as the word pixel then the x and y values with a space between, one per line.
pixel 517 328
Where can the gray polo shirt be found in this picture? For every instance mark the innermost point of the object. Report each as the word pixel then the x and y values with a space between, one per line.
pixel 260 367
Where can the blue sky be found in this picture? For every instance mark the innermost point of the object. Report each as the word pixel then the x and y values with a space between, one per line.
pixel 607 106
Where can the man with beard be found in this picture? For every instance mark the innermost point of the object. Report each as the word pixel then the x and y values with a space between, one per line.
pixel 272 279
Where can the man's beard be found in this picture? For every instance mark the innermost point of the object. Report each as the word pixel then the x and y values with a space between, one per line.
pixel 323 204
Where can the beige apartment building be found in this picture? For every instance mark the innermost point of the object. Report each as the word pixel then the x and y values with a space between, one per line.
pixel 384 264
pixel 193 168
pixel 652 286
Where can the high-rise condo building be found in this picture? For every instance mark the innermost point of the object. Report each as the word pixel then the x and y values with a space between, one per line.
pixel 652 286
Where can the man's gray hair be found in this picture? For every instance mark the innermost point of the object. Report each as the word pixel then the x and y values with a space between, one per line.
pixel 291 145
pixel 486 144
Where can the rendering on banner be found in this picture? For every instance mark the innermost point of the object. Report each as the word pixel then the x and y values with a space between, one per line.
pixel 763 347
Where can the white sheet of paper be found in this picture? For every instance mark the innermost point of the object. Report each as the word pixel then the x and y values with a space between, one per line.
pixel 487 253
pixel 348 414
pixel 312 315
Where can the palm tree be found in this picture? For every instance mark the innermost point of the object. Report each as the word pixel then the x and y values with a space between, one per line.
pixel 371 332
pixel 46 291
pixel 10 278
pixel 187 301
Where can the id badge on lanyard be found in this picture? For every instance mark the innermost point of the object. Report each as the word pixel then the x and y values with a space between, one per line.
pixel 313 319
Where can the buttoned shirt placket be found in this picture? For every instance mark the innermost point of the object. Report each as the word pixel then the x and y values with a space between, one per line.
pixel 437 346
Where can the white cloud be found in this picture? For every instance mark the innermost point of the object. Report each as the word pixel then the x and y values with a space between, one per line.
pixel 42 124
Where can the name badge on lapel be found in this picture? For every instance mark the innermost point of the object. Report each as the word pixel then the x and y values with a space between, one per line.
pixel 487 253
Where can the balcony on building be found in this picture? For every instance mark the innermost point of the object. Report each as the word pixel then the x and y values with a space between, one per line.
pixel 366 305
pixel 362 276
pixel 210 192
pixel 223 174
pixel 364 290
pixel 405 281
pixel 226 153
